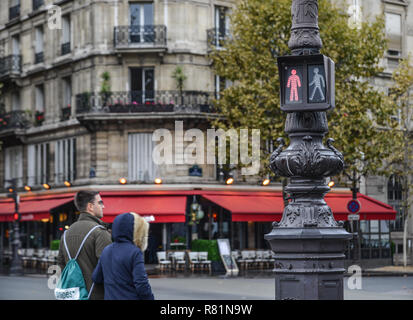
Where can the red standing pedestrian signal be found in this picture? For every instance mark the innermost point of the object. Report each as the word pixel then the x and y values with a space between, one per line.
pixel 293 83
pixel 16 216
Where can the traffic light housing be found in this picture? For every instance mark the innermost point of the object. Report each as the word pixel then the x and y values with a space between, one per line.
pixel 307 83
pixel 17 216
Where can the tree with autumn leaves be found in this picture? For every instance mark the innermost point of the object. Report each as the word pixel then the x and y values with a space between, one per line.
pixel 361 121
pixel 401 161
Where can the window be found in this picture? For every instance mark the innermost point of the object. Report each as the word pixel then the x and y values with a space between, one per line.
pixel 220 85
pixel 15 101
pixel 140 164
pixel 14 10
pixel 141 22
pixel 395 199
pixel 16 45
pixel 65 160
pixel 221 24
pixel 37 4
pixel 394 33
pixel 38 164
pixel 39 98
pixel 13 165
pixel 66 34
pixel 39 45
pixel 142 85
pixel 67 92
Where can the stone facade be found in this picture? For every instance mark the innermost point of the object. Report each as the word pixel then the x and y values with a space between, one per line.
pixel 96 46
pixel 51 68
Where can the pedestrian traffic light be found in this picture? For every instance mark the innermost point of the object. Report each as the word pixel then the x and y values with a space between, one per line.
pixel 16 216
pixel 307 83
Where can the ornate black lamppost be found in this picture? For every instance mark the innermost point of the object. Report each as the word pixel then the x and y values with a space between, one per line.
pixel 15 266
pixel 308 243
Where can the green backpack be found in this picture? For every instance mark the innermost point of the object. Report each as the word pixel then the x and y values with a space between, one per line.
pixel 71 285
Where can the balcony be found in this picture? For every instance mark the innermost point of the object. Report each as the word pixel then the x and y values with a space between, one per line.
pixel 145 102
pixel 66 113
pixel 148 38
pixel 10 66
pixel 14 12
pixel 66 49
pixel 38 57
pixel 37 4
pixel 14 120
pixel 216 38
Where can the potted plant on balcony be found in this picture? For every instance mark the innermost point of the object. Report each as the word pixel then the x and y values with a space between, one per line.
pixel 66 112
pixel 38 118
pixel 83 102
pixel 105 88
pixel 180 78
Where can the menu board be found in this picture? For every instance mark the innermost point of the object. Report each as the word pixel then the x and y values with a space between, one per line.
pixel 227 259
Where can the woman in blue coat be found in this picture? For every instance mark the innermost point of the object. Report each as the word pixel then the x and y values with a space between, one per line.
pixel 121 267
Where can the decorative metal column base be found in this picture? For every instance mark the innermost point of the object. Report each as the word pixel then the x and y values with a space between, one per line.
pixel 309 263
pixel 308 243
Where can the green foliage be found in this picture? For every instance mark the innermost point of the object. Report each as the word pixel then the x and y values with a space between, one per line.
pixel 105 86
pixel 260 32
pixel 178 239
pixel 179 77
pixel 54 245
pixel 207 245
pixel 399 97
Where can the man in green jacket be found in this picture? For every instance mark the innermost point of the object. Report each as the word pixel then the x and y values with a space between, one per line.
pixel 90 206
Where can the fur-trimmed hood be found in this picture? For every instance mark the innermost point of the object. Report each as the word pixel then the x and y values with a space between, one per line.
pixel 131 227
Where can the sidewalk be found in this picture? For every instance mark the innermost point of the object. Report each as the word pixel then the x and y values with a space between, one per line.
pixel 390 271
pixel 153 271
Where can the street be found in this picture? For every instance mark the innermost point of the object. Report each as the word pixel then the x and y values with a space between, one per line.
pixel 34 287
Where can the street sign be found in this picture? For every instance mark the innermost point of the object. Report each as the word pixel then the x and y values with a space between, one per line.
pixel 353 206
pixel 307 83
pixel 353 217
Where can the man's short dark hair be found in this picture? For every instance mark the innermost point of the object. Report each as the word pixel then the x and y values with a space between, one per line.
pixel 82 198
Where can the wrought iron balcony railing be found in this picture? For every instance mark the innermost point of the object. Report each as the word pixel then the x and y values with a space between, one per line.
pixel 37 4
pixel 10 65
pixel 149 36
pixel 14 12
pixel 66 113
pixel 38 57
pixel 216 38
pixel 145 101
pixel 66 48
pixel 14 120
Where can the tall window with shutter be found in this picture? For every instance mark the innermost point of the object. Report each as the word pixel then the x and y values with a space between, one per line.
pixel 65 160
pixel 13 165
pixel 140 164
pixel 394 33
pixel 38 164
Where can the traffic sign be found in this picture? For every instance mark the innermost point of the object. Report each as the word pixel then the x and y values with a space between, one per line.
pixel 353 217
pixel 353 206
pixel 307 83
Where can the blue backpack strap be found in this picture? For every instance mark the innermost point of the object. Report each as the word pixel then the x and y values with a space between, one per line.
pixel 85 238
pixel 64 241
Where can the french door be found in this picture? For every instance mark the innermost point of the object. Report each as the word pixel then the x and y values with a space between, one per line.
pixel 142 85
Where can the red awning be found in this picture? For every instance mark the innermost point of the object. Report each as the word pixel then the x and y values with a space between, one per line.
pixel 33 208
pixel 6 210
pixel 165 209
pixel 371 209
pixel 256 207
pixel 264 208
